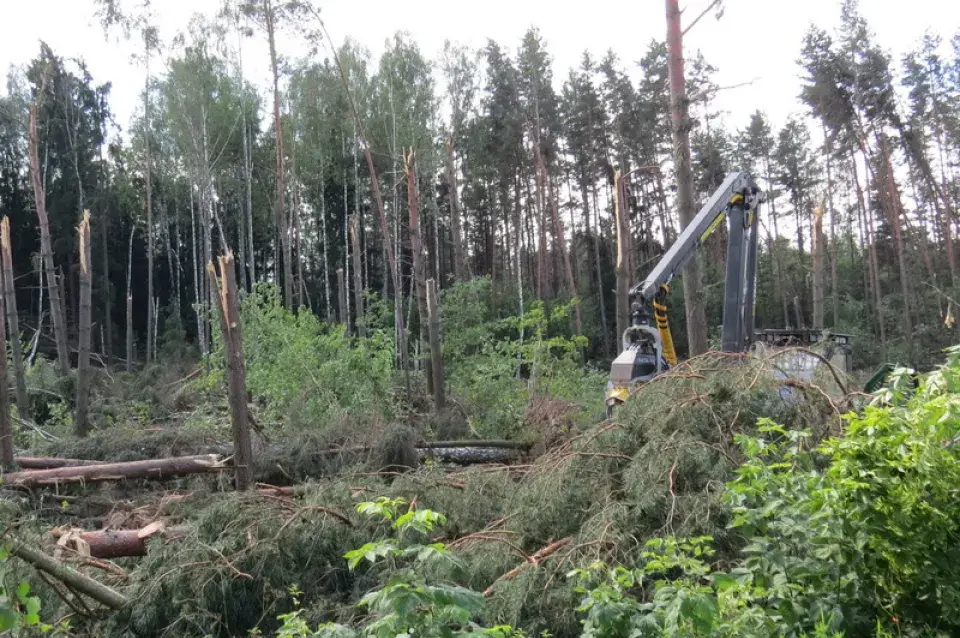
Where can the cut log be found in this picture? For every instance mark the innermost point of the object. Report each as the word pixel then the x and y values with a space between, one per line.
pixel 49 463
pixel 117 543
pixel 67 575
pixel 154 469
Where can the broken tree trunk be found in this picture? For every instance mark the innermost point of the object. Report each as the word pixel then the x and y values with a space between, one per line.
pixel 6 426
pixel 130 302
pixel 48 463
pixel 459 254
pixel 342 290
pixel 46 248
pixel 151 469
pixel 83 358
pixel 236 371
pixel 69 576
pixel 436 351
pixel 357 274
pixel 419 269
pixel 818 269
pixel 118 543
pixel 623 281
pixel 13 321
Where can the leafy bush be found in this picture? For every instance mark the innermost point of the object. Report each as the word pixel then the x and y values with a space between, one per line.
pixel 304 372
pixel 407 604
pixel 856 535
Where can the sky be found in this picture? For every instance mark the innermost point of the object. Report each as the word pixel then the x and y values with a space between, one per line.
pixel 756 42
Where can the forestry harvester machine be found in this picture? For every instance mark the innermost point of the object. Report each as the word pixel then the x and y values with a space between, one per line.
pixel 648 344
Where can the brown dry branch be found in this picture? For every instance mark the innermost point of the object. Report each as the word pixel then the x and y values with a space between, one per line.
pixel 533 559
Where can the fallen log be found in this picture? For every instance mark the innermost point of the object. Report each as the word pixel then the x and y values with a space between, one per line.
pixel 505 445
pixel 67 575
pixel 152 469
pixel 116 543
pixel 49 463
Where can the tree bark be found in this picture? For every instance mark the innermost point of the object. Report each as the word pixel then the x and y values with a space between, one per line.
pixel 419 270
pixel 67 575
pixel 121 543
pixel 357 275
pixel 342 289
pixel 48 463
pixel 436 351
pixel 156 469
pixel 46 249
pixel 6 426
pixel 623 282
pixel 13 320
pixel 229 305
pixel 459 255
pixel 130 301
pixel 818 269
pixel 151 316
pixel 83 358
pixel 679 105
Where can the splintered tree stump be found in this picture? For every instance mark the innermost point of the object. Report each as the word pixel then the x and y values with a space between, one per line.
pixel 152 469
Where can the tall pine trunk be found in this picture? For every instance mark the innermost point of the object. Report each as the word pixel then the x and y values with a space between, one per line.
pixel 151 317
pixel 890 197
pixel 46 249
pixel 13 320
pixel 83 357
pixel 419 270
pixel 818 269
pixel 357 274
pixel 459 255
pixel 680 120
pixel 130 301
pixel 279 206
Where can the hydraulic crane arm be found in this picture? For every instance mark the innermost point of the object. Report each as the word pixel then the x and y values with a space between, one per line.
pixel 737 198
pixel 648 350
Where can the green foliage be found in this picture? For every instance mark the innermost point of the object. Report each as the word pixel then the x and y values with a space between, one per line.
pixel 407 604
pixel 498 364
pixel 308 374
pixel 20 609
pixel 855 535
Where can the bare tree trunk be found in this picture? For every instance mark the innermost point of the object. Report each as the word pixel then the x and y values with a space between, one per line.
pixel 459 256
pixel 83 358
pixel 818 269
pixel 279 206
pixel 871 254
pixel 419 272
pixel 342 290
pixel 679 104
pixel 6 426
pixel 46 249
pixel 130 301
pixel 357 275
pixel 832 211
pixel 436 352
pixel 892 200
pixel 229 305
pixel 13 320
pixel 326 245
pixel 623 285
pixel 151 316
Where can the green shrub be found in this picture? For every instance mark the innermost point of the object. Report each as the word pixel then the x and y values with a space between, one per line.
pixel 305 373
